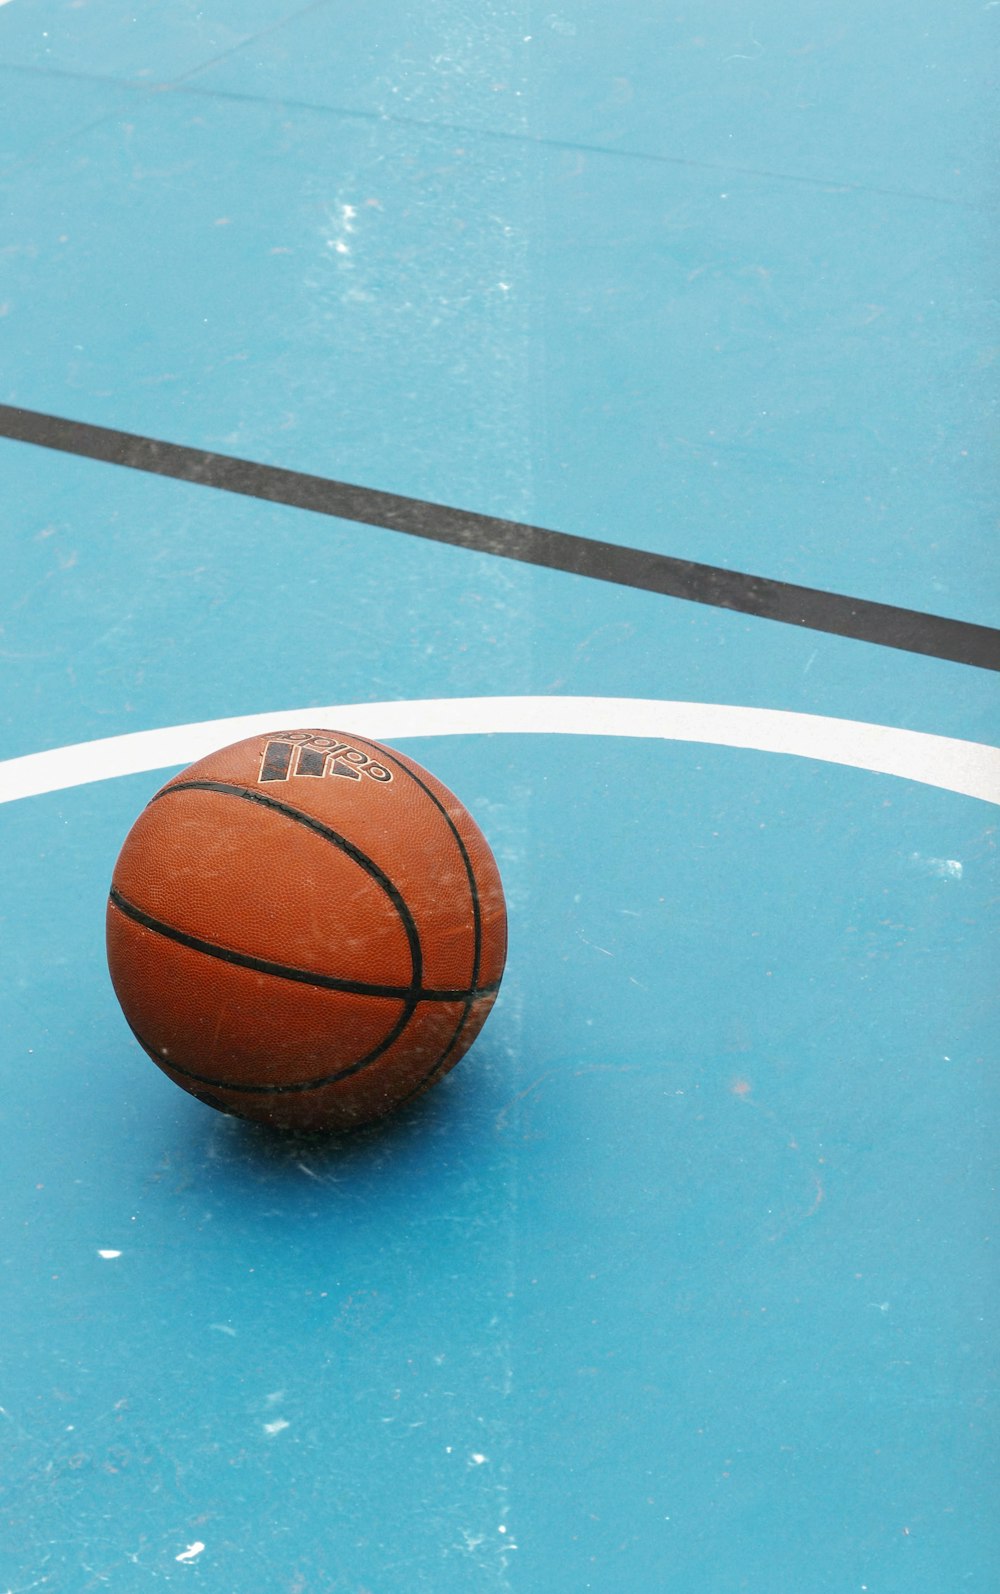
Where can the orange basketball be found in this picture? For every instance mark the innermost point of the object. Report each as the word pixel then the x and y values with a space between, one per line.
pixel 307 929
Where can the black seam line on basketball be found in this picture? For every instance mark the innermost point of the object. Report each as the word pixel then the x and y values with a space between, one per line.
pixel 164 1062
pixel 477 913
pixel 296 1087
pixel 300 817
pixel 432 1073
pixel 327 1079
pixel 858 619
pixel 283 971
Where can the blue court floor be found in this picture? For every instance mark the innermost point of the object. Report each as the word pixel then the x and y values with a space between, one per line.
pixel 681 1282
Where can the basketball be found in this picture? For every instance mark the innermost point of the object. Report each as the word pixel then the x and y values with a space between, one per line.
pixel 307 929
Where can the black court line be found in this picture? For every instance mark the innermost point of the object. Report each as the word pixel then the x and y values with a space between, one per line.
pixel 906 629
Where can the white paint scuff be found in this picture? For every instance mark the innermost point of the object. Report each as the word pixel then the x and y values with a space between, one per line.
pixel 971 769
pixel 943 868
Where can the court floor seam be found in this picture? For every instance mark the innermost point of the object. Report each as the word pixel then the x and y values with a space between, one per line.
pixel 184 84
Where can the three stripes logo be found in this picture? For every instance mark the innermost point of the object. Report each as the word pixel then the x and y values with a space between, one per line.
pixel 290 755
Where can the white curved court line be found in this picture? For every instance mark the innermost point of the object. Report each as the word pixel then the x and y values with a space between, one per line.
pixel 970 768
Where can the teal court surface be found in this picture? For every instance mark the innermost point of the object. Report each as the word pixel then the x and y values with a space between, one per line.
pixel 594 402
